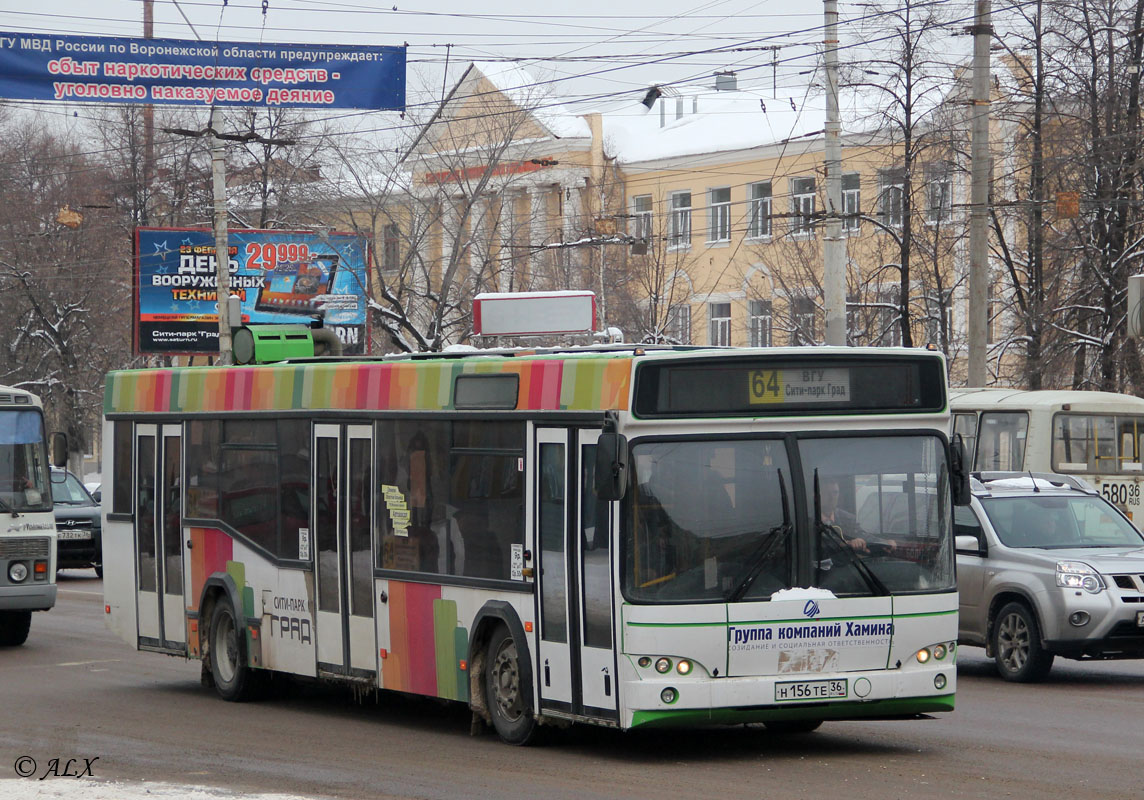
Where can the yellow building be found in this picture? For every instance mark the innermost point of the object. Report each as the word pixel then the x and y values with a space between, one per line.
pixel 696 215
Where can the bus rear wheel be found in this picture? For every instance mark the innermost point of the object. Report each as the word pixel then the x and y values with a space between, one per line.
pixel 509 705
pixel 14 626
pixel 233 679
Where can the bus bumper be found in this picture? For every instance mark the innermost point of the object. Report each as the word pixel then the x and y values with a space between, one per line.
pixel 715 701
pixel 28 597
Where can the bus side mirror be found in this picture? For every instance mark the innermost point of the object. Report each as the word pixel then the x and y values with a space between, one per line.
pixel 611 466
pixel 959 472
pixel 59 449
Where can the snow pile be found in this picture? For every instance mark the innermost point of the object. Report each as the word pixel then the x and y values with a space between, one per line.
pixel 83 789
pixel 804 593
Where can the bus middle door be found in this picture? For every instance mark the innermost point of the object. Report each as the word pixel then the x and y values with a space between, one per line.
pixel 342 501
pixel 159 538
pixel 572 535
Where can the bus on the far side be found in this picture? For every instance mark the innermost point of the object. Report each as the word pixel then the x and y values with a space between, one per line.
pixel 27 525
pixel 1097 436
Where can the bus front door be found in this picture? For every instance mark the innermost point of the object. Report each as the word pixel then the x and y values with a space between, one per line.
pixel 343 534
pixel 159 548
pixel 576 660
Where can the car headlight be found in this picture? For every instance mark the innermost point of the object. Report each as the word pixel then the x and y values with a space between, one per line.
pixel 1079 575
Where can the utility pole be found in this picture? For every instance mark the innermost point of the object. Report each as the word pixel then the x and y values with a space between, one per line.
pixel 981 169
pixel 222 251
pixel 148 121
pixel 833 248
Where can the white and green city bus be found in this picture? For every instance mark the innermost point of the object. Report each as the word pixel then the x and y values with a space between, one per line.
pixel 623 535
pixel 1097 436
pixel 27 525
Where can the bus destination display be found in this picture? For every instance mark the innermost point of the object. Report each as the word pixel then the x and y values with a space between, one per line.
pixel 798 385
pixel 754 385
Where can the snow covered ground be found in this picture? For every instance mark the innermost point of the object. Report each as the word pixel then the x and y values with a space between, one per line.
pixel 75 789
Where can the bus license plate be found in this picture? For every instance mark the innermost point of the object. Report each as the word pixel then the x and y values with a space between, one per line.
pixel 73 535
pixel 809 690
pixel 1140 619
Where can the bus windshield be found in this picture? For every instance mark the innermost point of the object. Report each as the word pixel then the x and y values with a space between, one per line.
pixel 23 466
pixel 714 520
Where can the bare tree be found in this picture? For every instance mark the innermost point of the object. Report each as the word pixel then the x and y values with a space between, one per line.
pixel 1097 95
pixel 903 78
pixel 64 279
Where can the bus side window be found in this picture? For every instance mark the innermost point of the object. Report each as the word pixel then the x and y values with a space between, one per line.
pixel 1001 441
pixel 966 425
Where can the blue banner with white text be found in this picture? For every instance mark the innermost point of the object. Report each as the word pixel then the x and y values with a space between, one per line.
pixel 107 69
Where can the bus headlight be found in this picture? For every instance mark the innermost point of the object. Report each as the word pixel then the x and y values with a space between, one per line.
pixel 1078 575
pixel 935 652
pixel 683 667
pixel 17 572
pixel 663 665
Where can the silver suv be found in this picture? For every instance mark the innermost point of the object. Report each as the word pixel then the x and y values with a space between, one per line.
pixel 1046 567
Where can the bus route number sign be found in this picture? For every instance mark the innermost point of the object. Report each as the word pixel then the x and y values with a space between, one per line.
pixel 798 386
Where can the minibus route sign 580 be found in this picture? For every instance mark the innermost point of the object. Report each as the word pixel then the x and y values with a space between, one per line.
pixel 798 385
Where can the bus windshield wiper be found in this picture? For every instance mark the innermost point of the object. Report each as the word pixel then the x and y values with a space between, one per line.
pixel 776 535
pixel 872 580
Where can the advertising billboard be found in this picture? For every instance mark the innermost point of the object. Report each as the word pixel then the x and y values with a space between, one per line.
pixel 105 69
pixel 278 276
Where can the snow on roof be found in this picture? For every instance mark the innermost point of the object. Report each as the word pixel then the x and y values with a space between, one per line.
pixel 712 121
pixel 1023 483
pixel 536 96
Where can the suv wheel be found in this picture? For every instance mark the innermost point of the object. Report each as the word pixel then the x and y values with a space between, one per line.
pixel 1017 645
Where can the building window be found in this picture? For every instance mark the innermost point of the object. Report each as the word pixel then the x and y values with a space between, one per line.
pixel 993 331
pixel 719 320
pixel 938 308
pixel 759 323
pixel 719 215
pixel 889 327
pixel 679 324
pixel 641 217
pixel 802 200
pixel 892 196
pixel 760 210
pixel 680 233
pixel 851 202
pixel 802 321
pixel 939 193
pixel 391 253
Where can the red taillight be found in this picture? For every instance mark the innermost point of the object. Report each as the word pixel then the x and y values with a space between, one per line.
pixel 107 609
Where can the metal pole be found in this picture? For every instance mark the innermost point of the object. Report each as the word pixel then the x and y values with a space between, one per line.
pixel 148 122
pixel 981 168
pixel 222 251
pixel 833 247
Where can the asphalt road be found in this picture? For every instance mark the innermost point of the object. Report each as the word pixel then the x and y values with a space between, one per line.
pixel 73 691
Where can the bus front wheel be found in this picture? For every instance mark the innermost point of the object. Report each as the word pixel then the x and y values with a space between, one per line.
pixel 509 706
pixel 233 679
pixel 14 626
